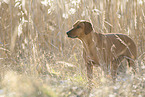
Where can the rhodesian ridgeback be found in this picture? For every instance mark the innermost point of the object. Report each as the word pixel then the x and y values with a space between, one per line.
pixel 104 50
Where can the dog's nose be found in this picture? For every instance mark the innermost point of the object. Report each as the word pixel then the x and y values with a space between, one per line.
pixel 67 32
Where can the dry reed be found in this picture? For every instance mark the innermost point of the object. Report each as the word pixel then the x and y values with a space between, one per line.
pixel 33 43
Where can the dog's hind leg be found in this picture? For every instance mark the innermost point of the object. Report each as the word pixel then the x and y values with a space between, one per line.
pixel 114 66
pixel 131 63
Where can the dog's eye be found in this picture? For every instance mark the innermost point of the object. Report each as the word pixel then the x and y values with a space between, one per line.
pixel 78 26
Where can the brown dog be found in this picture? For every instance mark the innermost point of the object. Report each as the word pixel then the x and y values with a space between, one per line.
pixel 104 50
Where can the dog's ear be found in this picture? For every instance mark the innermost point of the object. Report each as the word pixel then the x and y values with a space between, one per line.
pixel 88 27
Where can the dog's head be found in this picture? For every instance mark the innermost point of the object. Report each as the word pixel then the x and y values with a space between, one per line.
pixel 80 28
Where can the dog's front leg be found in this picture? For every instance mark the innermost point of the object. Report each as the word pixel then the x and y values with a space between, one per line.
pixel 114 67
pixel 90 71
pixel 89 66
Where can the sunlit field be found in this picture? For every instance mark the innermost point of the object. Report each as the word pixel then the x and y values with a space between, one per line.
pixel 37 59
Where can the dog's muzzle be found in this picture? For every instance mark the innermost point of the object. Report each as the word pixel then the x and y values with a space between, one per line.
pixel 69 34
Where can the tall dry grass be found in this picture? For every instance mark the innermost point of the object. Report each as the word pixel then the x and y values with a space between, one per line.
pixel 34 47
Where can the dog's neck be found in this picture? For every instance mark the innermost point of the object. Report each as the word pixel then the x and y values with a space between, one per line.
pixel 90 46
pixel 88 39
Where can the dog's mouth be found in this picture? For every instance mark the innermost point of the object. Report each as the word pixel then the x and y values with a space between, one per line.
pixel 73 36
pixel 68 34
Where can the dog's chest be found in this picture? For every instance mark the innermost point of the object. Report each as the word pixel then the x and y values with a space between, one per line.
pixel 92 55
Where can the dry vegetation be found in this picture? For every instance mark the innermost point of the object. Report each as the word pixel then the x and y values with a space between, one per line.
pixel 38 60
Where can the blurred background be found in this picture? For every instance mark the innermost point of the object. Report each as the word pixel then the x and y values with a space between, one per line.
pixel 35 50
